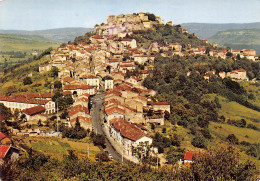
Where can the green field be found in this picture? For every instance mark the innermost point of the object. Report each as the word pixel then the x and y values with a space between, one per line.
pixel 233 110
pixel 243 134
pixel 24 43
pixel 58 146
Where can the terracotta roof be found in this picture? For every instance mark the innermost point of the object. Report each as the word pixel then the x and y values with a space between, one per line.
pixel 127 129
pixel 88 77
pixel 114 60
pixel 68 79
pixel 66 93
pixel 34 110
pixel 3 150
pixel 113 91
pixel 211 72
pixel 190 155
pixel 115 110
pixel 157 103
pixel 23 100
pixel 74 87
pixel 2 136
pixel 241 70
pixel 81 119
pixel 126 39
pixel 77 109
pixel 85 87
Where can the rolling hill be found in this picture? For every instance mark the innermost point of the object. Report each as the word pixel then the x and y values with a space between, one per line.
pixel 25 42
pixel 239 39
pixel 206 30
pixel 59 34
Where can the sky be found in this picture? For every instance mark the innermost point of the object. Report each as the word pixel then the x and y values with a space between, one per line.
pixel 49 14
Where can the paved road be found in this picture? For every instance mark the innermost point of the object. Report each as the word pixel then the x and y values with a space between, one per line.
pixel 97 120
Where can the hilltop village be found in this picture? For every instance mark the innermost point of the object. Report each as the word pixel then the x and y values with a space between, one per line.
pixel 106 64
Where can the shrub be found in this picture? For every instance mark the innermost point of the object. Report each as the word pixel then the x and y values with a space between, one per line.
pixel 232 139
pixel 27 81
pixel 198 141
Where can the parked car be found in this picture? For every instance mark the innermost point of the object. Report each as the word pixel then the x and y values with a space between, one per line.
pixel 110 156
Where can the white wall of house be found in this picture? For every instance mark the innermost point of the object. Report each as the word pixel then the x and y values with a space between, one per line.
pixel 109 84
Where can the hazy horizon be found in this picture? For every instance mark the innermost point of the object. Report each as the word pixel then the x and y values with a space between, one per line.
pixel 53 14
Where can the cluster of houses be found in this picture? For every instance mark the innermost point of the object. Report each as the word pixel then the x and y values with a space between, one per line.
pixel 126 114
pixel 80 111
pixel 32 106
pixel 239 74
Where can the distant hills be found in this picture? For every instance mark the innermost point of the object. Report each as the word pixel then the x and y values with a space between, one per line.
pixel 239 39
pixel 26 43
pixel 59 34
pixel 207 30
pixel 236 36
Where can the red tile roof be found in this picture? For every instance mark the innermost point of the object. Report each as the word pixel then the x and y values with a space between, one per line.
pixel 66 93
pixel 88 77
pixel 23 100
pixel 34 110
pixel 241 70
pixel 81 119
pixel 115 110
pixel 77 109
pixel 85 87
pixel 127 129
pixel 190 155
pixel 157 103
pixel 3 150
pixel 126 39
pixel 2 136
pixel 74 87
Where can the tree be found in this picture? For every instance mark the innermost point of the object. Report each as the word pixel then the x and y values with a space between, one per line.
pixel 68 99
pixel 100 140
pixel 40 123
pixel 151 17
pixel 232 139
pixel 16 114
pixel 5 112
pixel 3 128
pixel 54 72
pixel 103 157
pixel 241 123
pixel 27 81
pixel 57 84
pixel 198 141
pixel 229 54
pixel 220 163
pixel 56 96
pixel 164 130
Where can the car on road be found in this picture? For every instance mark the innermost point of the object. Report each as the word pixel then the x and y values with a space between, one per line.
pixel 110 156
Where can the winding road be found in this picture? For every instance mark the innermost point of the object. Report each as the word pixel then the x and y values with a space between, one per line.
pixel 97 115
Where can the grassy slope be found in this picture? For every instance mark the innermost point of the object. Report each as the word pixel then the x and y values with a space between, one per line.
pixel 57 147
pixel 15 78
pixel 24 43
pixel 221 131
